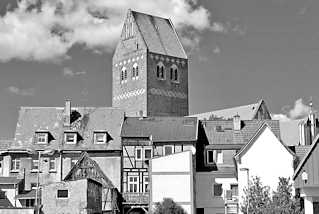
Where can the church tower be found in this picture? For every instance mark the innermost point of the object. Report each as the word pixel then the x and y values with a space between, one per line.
pixel 150 68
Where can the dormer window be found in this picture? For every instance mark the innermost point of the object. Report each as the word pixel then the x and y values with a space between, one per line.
pixel 101 137
pixel 43 137
pixel 160 71
pixel 70 137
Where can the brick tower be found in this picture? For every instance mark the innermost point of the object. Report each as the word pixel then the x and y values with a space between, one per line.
pixel 150 68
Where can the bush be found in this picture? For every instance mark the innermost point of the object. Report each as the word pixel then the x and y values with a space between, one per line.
pixel 168 206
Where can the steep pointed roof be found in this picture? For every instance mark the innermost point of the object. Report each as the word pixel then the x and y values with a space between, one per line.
pixel 83 169
pixel 246 112
pixel 159 35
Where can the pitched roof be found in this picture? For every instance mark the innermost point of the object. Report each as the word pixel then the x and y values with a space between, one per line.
pixel 162 129
pixel 9 180
pixel 86 160
pixel 221 131
pixel 246 112
pixel 159 35
pixel 33 119
pixel 301 151
pixel 306 156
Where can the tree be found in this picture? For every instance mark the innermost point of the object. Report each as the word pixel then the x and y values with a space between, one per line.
pixel 168 206
pixel 283 201
pixel 257 198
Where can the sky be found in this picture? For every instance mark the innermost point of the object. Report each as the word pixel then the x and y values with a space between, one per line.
pixel 239 52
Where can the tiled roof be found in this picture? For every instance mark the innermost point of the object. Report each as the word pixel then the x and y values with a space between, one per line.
pixel 301 151
pixel 5 203
pixel 9 180
pixel 32 119
pixel 161 129
pixel 159 35
pixel 221 131
pixel 246 112
pixel 289 131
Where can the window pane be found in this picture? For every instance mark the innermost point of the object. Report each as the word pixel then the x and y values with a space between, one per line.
pixel 138 154
pixel 168 150
pixel 35 164
pixel 52 164
pixel 100 137
pixel 62 193
pixel 234 189
pixel 148 153
pixel 210 157
pixel 218 190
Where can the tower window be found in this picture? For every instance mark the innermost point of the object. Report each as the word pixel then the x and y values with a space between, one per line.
pixel 160 71
pixel 123 76
pixel 135 71
pixel 174 73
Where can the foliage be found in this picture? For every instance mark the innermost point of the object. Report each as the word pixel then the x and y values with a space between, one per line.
pixel 260 201
pixel 168 206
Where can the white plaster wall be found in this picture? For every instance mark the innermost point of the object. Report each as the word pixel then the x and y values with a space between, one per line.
pixel 172 177
pixel 268 159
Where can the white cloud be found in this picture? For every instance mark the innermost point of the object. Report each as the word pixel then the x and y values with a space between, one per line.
pixel 281 117
pixel 68 72
pixel 45 30
pixel 298 111
pixel 22 92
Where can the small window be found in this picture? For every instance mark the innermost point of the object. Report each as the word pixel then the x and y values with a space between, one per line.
pixel 15 164
pixel 138 153
pixel 218 190
pixel 133 184
pixel 62 193
pixel 160 71
pixel 70 138
pixel 123 75
pixel 100 137
pixel 168 150
pixel 234 189
pixel 147 154
pixel 34 186
pixel 135 71
pixel 145 184
pixel 174 73
pixel 210 156
pixel 35 165
pixel 42 138
pixel 215 156
pixel 52 166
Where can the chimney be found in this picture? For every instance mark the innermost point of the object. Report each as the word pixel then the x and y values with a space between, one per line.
pixel 237 122
pixel 67 113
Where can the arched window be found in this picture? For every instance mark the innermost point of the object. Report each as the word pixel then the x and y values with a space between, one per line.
pixel 135 71
pixel 160 71
pixel 123 76
pixel 174 73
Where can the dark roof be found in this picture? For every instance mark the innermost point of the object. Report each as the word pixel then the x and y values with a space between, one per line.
pixel 9 180
pixel 28 195
pixel 162 129
pixel 33 119
pixel 159 35
pixel 246 112
pixel 301 151
pixel 221 131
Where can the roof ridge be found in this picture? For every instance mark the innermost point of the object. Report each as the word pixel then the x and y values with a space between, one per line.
pixel 147 14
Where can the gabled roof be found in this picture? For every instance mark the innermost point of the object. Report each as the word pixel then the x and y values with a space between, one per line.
pixel 246 112
pixel 161 129
pixel 222 132
pixel 159 35
pixel 306 157
pixel 33 119
pixel 253 139
pixel 84 163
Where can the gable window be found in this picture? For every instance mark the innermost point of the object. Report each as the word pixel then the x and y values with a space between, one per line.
pixel 100 137
pixel 133 184
pixel 160 71
pixel 145 184
pixel 35 165
pixel 218 189
pixel 42 138
pixel 147 154
pixel 62 193
pixel 52 165
pixel 70 138
pixel 174 74
pixel 15 164
pixel 168 150
pixel 138 153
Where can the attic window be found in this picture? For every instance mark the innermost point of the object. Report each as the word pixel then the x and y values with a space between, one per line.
pixel 42 137
pixel 70 137
pixel 219 128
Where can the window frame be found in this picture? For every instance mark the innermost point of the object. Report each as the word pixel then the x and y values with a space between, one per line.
pixel 52 159
pixel 214 190
pixel 141 153
pixel 95 134
pixel 46 137
pixel 13 164
pixel 145 158
pixel 166 146
pixel 137 183
pixel 57 194
pixel 33 161
pixel 146 188
pixel 70 142
pixel 160 71
pixel 174 74
pixel 208 156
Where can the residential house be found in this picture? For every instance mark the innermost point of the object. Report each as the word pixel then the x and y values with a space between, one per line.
pixel 66 197
pixel 146 138
pixel 217 189
pixel 49 141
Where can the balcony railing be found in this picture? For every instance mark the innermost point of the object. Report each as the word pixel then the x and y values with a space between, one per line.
pixel 136 197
